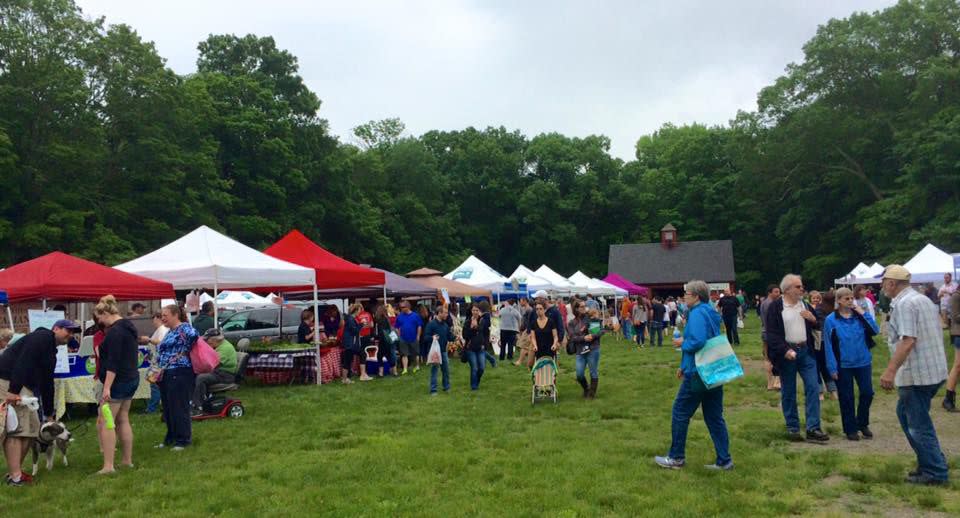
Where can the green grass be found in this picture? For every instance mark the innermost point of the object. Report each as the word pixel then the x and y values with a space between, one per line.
pixel 386 448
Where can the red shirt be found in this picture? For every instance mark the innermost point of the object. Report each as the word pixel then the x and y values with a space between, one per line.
pixel 365 320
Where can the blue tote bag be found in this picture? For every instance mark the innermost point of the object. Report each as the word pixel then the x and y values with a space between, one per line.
pixel 717 364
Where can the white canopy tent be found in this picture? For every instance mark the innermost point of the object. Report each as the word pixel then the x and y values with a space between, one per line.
pixel 859 271
pixel 206 258
pixel 525 275
pixel 475 272
pixel 929 265
pixel 605 288
pixel 559 283
pixel 581 283
pixel 242 300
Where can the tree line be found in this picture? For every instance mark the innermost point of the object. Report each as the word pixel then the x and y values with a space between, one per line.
pixel 106 153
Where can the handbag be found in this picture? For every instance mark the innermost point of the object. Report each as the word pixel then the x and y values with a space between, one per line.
pixel 716 362
pixel 203 357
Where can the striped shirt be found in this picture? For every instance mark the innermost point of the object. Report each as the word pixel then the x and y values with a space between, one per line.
pixel 914 315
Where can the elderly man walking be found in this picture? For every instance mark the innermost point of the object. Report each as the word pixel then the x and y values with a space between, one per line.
pixel 917 368
pixel 789 327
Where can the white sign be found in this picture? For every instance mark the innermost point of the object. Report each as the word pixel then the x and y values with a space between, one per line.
pixel 719 286
pixel 446 295
pixel 40 318
pixel 63 362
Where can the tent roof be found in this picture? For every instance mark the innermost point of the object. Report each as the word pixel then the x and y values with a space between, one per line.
pixel 583 283
pixel 397 286
pixel 929 265
pixel 533 281
pixel 332 271
pixel 424 272
pixel 454 289
pixel 475 272
pixel 622 283
pixel 204 258
pixel 242 299
pixel 558 281
pixel 62 277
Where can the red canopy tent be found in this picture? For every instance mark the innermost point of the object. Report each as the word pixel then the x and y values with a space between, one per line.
pixel 332 271
pixel 61 277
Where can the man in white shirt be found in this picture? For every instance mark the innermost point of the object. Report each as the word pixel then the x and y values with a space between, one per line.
pixel 789 330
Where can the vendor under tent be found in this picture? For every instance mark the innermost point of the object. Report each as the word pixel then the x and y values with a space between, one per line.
pixel 631 288
pixel 476 273
pixel 559 283
pixel 206 258
pixel 929 265
pixel 331 271
pixel 534 282
pixel 457 290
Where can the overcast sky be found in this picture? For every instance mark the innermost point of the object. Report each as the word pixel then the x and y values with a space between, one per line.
pixel 617 68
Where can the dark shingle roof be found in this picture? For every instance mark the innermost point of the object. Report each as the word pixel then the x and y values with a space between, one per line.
pixel 651 263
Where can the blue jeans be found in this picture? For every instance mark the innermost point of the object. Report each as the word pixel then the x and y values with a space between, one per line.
pixel 490 358
pixel 683 409
pixel 592 359
pixel 445 368
pixel 154 398
pixel 656 330
pixel 627 329
pixel 855 419
pixel 639 332
pixel 476 359
pixel 806 365
pixel 913 410
pixel 176 389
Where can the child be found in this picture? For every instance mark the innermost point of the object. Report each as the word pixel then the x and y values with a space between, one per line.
pixel 594 327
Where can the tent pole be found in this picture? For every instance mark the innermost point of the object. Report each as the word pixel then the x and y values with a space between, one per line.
pixel 316 325
pixel 83 321
pixel 216 323
pixel 280 318
pixel 384 294
pixel 44 304
pixel 10 318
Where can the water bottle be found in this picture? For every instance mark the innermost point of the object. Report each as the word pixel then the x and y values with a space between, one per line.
pixel 676 334
pixel 107 416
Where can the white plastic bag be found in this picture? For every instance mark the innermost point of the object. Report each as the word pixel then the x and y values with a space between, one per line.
pixel 434 357
pixel 739 323
pixel 12 422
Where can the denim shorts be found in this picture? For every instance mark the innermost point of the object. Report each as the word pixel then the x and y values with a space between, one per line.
pixel 124 390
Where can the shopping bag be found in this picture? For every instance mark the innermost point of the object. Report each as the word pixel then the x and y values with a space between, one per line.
pixel 203 357
pixel 12 422
pixel 739 323
pixel 717 364
pixel 434 357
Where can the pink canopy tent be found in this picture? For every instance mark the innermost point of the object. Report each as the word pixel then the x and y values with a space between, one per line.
pixel 620 282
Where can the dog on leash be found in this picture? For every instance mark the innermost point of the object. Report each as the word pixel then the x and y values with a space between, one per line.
pixel 52 436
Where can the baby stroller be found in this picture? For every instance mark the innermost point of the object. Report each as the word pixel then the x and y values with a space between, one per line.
pixel 544 375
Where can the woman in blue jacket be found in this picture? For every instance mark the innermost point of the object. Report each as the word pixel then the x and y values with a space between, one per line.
pixel 703 323
pixel 845 334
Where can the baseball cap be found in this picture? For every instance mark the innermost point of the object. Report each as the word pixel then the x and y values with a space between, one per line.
pixel 896 272
pixel 540 293
pixel 67 324
pixel 212 333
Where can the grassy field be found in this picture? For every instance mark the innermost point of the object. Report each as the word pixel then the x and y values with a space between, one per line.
pixel 386 448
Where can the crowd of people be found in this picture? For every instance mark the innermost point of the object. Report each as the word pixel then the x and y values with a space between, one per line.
pixel 825 339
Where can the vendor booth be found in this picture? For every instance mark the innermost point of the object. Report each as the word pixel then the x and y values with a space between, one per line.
pixel 476 273
pixel 559 284
pixel 929 265
pixel 631 288
pixel 454 289
pixel 533 282
pixel 58 277
pixel 206 258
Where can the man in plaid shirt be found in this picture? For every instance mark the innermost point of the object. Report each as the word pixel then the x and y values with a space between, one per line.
pixel 918 366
